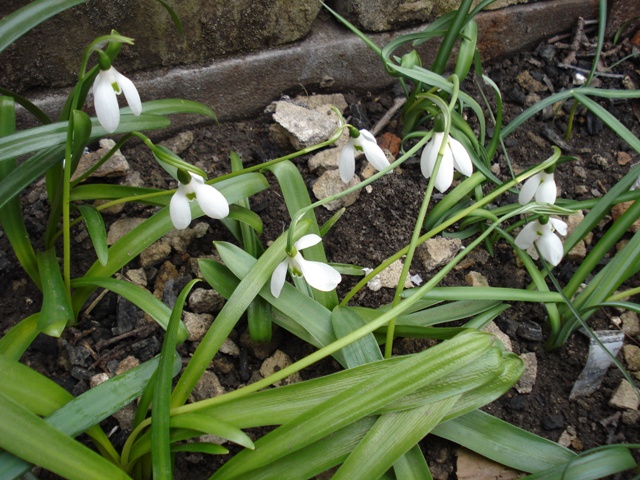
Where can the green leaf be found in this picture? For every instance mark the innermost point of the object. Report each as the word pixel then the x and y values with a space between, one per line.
pixel 18 338
pixel 56 310
pixel 364 350
pixel 160 424
pixel 211 425
pixel 412 466
pixel 208 448
pixel 591 465
pixel 16 24
pixel 138 296
pixel 80 136
pixel 97 231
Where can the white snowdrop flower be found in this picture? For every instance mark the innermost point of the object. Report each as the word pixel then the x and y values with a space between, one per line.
pixel 365 142
pixel 317 274
pixel 455 157
pixel 541 186
pixel 106 86
pixel 211 201
pixel 542 234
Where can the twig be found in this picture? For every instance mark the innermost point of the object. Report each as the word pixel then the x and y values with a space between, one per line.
pixel 397 104
pixel 575 44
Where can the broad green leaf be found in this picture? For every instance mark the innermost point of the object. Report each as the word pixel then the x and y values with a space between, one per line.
pixel 97 231
pixel 18 338
pixel 364 350
pixel 208 448
pixel 213 426
pixel 412 466
pixel 137 295
pixel 489 293
pixel 80 136
pixel 504 443
pixel 31 438
pixel 56 311
pixel 19 22
pixel 160 425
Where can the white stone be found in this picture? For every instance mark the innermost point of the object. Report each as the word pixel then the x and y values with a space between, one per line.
pixel 276 362
pixel 329 184
pixel 120 228
pixel 197 325
pixel 528 378
pixel 436 252
pixel 625 397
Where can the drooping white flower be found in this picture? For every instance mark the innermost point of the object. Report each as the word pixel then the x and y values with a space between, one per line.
pixel 542 234
pixel 317 274
pixel 211 201
pixel 367 144
pixel 541 186
pixel 106 86
pixel 455 157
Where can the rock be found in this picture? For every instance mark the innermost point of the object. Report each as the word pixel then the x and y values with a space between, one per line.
pixel 208 386
pixel 304 126
pixel 578 252
pixel 476 279
pixel 115 166
pixel 137 276
pixel 205 300
pixel 623 158
pixel 631 417
pixel 553 422
pixel 391 143
pixel 528 378
pixel 120 228
pixel 322 103
pixel 492 328
pixel 180 142
pixel 390 276
pixel 632 357
pixel 329 184
pixel 436 252
pixel 472 466
pixel 381 15
pixel 531 331
pixel 179 240
pixel 228 347
pixel 197 325
pixel 276 362
pixel 125 417
pixel 630 324
pixel 567 437
pixel 128 315
pixel 619 209
pixel 167 275
pixel 155 253
pixel 324 160
pixel 127 364
pixel 98 378
pixel 530 84
pixel 625 397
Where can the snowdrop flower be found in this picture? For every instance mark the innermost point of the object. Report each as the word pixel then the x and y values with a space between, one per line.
pixel 363 142
pixel 106 86
pixel 211 201
pixel 317 274
pixel 455 157
pixel 542 186
pixel 542 234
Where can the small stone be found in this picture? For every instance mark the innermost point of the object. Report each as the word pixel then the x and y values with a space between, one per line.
pixel 492 328
pixel 137 276
pixel 580 172
pixel 567 437
pixel 324 160
pixel 528 378
pixel 531 331
pixel 476 279
pixel 390 276
pixel 128 315
pixel 389 141
pixel 305 127
pixel 276 362
pixel 623 158
pixel 631 417
pixel 630 324
pixel 329 184
pixel 98 378
pixel 553 422
pixel 197 325
pixel 180 142
pixel 180 239
pixel 527 82
pixel 228 347
pixel 120 228
pixel 204 300
pixel 619 209
pixel 436 252
pixel 155 254
pixel 495 169
pixel 472 466
pixel 127 364
pixel 125 417
pixel 625 397
pixel 115 166
pixel 632 357
pixel 208 386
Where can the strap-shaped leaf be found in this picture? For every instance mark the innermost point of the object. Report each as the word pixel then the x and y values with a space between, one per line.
pixel 16 341
pixel 97 231
pixel 364 350
pixel 56 311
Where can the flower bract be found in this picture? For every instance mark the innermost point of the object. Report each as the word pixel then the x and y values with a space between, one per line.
pixel 541 186
pixel 367 144
pixel 455 157
pixel 211 201
pixel 317 274
pixel 542 234
pixel 107 85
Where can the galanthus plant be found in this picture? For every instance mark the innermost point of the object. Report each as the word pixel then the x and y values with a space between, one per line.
pixel 375 401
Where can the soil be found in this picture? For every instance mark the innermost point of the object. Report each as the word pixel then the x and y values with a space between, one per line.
pixel 375 227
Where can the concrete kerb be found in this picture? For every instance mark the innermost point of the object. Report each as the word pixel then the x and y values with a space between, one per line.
pixel 329 59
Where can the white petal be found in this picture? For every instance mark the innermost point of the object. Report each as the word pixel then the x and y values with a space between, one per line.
pixel 527 235
pixel 130 92
pixel 372 151
pixel 347 163
pixel 105 102
pixel 546 192
pixel 461 159
pixel 320 275
pixel 307 241
pixel 444 179
pixel 278 277
pixel 180 210
pixel 211 201
pixel 559 225
pixel 430 153
pixel 529 189
pixel 550 247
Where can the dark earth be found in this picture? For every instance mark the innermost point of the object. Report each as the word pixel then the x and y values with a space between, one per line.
pixel 375 227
